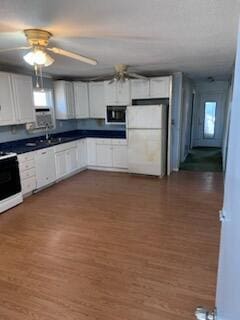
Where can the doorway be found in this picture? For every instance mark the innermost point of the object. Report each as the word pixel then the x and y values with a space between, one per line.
pixel 207 129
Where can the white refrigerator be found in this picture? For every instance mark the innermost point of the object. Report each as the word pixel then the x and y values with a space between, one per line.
pixel 146 133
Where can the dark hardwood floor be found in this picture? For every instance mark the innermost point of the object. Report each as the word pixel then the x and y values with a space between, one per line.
pixel 112 246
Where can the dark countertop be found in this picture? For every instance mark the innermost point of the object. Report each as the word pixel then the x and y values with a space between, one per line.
pixel 32 144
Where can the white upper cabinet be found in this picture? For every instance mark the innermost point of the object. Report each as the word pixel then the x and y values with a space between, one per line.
pixel 64 100
pixel 23 94
pixel 140 89
pixel 160 87
pixel 117 93
pixel 7 107
pixel 97 106
pixel 81 99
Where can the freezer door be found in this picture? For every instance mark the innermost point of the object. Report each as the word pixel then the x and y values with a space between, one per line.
pixel 146 152
pixel 145 117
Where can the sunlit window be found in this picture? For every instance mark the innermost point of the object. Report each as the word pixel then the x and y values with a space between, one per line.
pixel 209 119
pixel 42 98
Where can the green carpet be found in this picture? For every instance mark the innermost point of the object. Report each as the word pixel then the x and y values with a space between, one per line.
pixel 203 159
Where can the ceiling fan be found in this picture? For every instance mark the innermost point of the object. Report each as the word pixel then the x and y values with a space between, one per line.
pixel 121 74
pixel 38 44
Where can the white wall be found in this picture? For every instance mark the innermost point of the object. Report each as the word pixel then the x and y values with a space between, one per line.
pixel 176 119
pixel 227 123
pixel 228 284
pixel 187 99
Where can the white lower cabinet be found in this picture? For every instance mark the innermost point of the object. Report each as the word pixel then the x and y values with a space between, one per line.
pixel 82 153
pixel 27 172
pixel 119 156
pixel 91 152
pixel 71 160
pixel 45 167
pixel 104 154
pixel 66 159
pixel 111 153
pixel 61 167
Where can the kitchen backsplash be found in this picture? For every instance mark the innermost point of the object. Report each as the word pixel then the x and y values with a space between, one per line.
pixel 17 132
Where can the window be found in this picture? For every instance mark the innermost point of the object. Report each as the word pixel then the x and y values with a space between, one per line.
pixel 209 119
pixel 43 98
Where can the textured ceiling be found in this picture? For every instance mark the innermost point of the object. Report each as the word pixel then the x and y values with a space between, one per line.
pixel 197 37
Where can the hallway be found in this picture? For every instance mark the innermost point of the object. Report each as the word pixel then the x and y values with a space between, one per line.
pixel 206 159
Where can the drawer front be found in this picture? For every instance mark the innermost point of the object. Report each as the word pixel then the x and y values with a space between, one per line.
pixel 26 165
pixel 27 173
pixel 65 146
pixel 119 141
pixel 26 157
pixel 28 185
pixel 103 141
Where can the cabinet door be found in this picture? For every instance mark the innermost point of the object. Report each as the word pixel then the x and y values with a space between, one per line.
pixel 140 89
pixel 81 100
pixel 64 100
pixel 23 94
pixel 71 160
pixel 110 92
pixel 91 152
pixel 45 167
pixel 7 110
pixel 159 87
pixel 70 100
pixel 119 156
pixel 104 155
pixel 61 169
pixel 97 104
pixel 123 92
pixel 82 153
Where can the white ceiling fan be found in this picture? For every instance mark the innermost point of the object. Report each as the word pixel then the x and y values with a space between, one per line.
pixel 38 44
pixel 121 74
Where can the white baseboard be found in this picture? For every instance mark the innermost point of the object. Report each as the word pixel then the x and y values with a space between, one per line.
pixel 107 169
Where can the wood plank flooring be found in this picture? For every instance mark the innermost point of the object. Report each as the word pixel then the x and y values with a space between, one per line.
pixel 111 246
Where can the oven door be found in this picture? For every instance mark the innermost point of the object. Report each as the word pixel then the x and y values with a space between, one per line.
pixel 9 178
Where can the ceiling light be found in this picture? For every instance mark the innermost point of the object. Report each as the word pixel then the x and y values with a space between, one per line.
pixel 38 57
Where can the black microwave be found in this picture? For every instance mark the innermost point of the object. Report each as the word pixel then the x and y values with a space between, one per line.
pixel 116 114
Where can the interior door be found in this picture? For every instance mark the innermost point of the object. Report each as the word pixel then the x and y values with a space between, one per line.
pixel 210 120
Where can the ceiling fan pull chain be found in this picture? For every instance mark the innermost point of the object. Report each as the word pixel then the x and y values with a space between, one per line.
pixel 36 74
pixel 41 77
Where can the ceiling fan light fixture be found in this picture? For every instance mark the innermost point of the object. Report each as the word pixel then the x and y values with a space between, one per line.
pixel 38 57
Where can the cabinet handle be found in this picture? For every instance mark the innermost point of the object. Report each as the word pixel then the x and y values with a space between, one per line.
pixel 44 152
pixel 0 108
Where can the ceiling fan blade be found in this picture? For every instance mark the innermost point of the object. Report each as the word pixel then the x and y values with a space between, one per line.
pixel 13 49
pixel 136 76
pixel 72 55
